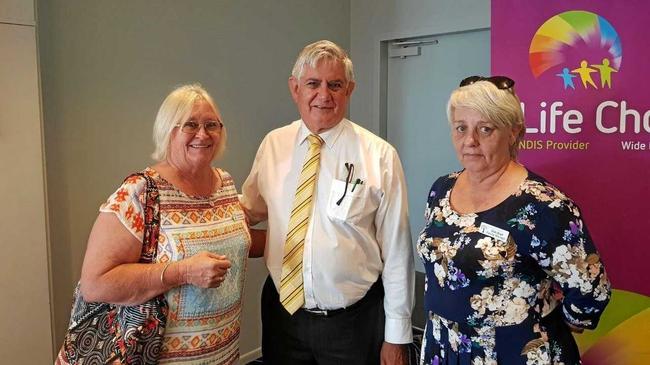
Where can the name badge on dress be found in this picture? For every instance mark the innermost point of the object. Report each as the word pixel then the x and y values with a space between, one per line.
pixel 494 232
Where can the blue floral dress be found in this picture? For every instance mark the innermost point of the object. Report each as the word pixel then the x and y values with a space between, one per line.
pixel 501 283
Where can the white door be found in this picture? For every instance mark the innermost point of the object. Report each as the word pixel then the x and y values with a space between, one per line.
pixel 25 322
pixel 418 87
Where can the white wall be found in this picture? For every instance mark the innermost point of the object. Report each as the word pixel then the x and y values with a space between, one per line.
pixel 373 21
pixel 25 323
pixel 106 67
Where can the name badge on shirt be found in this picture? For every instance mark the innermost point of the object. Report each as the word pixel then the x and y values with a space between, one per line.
pixel 494 232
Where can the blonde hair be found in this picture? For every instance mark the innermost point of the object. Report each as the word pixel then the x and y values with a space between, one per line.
pixel 177 108
pixel 499 106
pixel 322 50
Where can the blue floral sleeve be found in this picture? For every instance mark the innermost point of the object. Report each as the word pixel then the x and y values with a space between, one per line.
pixel 562 246
pixel 431 198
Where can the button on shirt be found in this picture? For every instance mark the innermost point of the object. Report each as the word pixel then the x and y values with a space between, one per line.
pixel 348 245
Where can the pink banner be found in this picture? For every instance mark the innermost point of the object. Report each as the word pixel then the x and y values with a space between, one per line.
pixel 581 69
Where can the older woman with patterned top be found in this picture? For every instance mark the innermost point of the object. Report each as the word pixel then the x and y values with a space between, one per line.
pixel 511 268
pixel 203 243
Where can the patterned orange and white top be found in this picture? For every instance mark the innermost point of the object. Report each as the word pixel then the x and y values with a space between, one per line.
pixel 202 324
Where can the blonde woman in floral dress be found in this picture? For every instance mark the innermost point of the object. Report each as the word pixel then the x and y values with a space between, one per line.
pixel 511 268
pixel 203 243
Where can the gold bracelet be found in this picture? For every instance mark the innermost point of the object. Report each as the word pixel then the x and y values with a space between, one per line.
pixel 162 273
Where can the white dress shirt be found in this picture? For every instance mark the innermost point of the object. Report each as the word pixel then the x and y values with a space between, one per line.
pixel 348 245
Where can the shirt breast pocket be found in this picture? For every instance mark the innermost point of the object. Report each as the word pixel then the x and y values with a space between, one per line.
pixel 349 207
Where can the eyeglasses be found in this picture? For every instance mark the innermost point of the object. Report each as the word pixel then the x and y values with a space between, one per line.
pixel 193 127
pixel 349 166
pixel 501 82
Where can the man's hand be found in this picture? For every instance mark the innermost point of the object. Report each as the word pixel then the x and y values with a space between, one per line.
pixel 393 354
pixel 574 328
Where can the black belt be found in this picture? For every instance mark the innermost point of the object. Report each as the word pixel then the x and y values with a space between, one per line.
pixel 376 292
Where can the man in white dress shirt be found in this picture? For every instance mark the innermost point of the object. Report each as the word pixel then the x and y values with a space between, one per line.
pixel 357 263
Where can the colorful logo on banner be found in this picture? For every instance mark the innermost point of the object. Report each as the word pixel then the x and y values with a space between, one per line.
pixel 578 44
pixel 577 51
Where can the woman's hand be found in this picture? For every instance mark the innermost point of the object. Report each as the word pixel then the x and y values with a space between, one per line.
pixel 205 269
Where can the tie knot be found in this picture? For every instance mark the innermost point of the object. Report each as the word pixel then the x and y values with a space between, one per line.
pixel 315 140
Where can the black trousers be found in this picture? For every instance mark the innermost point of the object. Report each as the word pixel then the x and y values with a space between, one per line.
pixel 352 336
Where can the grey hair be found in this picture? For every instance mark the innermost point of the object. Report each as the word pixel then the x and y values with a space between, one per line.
pixel 499 106
pixel 177 108
pixel 317 51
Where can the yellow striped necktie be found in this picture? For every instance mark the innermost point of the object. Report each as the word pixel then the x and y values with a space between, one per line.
pixel 292 295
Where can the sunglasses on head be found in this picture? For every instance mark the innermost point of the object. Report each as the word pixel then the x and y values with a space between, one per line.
pixel 501 82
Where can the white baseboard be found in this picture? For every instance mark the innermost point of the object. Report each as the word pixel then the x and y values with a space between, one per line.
pixel 250 356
